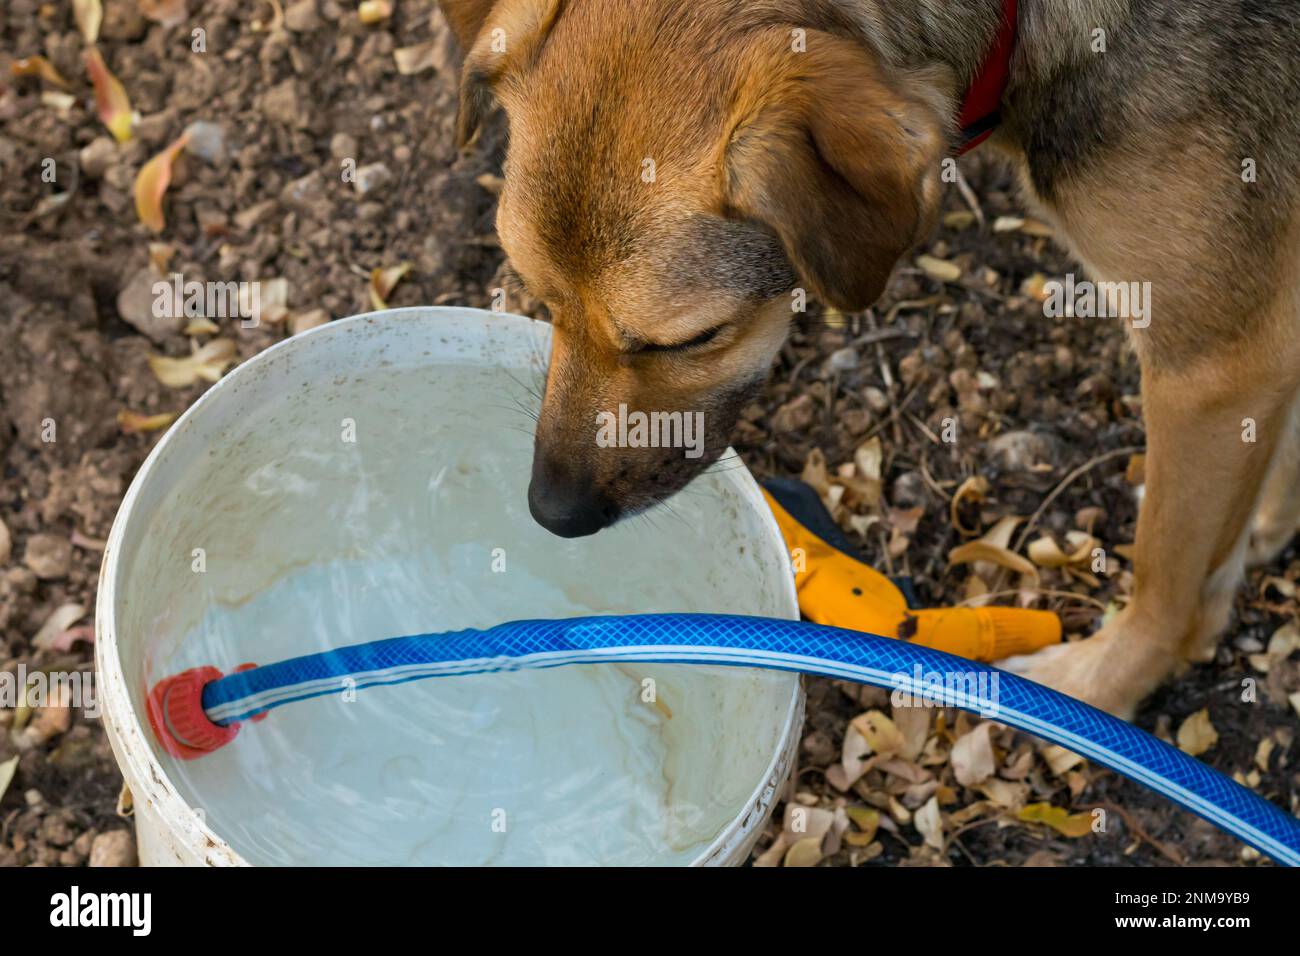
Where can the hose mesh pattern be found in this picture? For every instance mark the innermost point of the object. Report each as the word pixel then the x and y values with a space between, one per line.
pixel 917 671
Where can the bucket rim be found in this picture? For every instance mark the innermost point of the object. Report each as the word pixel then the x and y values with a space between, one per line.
pixel 129 735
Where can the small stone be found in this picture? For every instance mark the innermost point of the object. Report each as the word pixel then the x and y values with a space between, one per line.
pixel 307 196
pixel 116 848
pixel 283 104
pixel 343 146
pixel 301 17
pixel 246 219
pixel 207 141
pixel 842 360
pixel 856 421
pixel 1019 450
pixel 909 490
pixel 136 305
pixel 371 177
pixel 48 555
pixel 156 128
pixel 97 156
pixel 795 415
pixel 876 399
pixel 123 21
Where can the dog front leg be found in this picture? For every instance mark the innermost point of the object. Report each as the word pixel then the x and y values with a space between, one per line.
pixel 1211 433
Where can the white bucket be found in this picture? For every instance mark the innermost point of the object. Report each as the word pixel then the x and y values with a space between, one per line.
pixel 364 480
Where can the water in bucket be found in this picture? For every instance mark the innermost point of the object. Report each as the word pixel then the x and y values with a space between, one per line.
pixel 389 500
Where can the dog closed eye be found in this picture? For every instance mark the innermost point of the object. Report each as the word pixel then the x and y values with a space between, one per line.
pixel 708 335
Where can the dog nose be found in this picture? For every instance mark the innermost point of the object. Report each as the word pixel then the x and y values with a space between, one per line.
pixel 568 506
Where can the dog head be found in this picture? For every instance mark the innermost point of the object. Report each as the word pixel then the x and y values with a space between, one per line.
pixel 678 173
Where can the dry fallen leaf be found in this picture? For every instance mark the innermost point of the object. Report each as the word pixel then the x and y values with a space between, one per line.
pixel 201 325
pixel 1035 287
pixel 869 458
pixel 867 820
pixel 61 103
pixel 1007 794
pixel 38 66
pixel 1263 751
pixel 807 822
pixel 415 59
pixel 972 756
pixel 167 12
pixel 1059 760
pixel 6 544
pixel 1046 553
pixel 880 733
pixel 1062 821
pixel 1284 642
pixel 773 855
pixel 89 15
pixel 383 281
pixel 853 760
pixel 1196 734
pixel 960 219
pixel 914 724
pixel 52 720
pixel 63 642
pixel 111 101
pixel 929 823
pixel 1135 472
pixel 131 422
pixel 207 363
pixel 62 618
pixel 984 550
pixel 491 182
pixel 372 11
pixel 7 771
pixel 975 488
pixel 152 181
pixel 311 319
pixel 805 852
pixel 940 270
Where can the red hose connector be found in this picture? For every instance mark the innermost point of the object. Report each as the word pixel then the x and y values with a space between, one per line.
pixel 175 709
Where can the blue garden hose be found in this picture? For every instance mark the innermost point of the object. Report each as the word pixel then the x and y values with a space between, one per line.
pixel 195 712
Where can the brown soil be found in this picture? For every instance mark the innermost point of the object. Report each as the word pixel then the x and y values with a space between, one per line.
pixel 292 105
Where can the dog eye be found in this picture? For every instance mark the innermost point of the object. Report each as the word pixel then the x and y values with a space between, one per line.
pixel 708 335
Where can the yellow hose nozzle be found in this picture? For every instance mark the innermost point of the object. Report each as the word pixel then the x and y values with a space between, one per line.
pixel 837 589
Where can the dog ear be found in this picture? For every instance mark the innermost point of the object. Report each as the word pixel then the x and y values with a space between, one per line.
pixel 842 164
pixel 466 18
pixel 497 35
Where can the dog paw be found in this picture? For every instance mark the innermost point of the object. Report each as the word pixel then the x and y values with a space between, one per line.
pixel 1267 540
pixel 1110 670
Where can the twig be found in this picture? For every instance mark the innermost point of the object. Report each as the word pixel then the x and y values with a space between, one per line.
pixel 1138 831
pixel 1065 482
pixel 968 195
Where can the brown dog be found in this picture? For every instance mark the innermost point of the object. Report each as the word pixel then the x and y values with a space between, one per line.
pixel 677 167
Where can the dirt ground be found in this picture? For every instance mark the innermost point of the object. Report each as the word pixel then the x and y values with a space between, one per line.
pixel 856 405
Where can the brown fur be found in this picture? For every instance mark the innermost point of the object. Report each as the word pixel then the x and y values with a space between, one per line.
pixel 778 166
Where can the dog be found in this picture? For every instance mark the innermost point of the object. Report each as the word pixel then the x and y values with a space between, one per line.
pixel 676 169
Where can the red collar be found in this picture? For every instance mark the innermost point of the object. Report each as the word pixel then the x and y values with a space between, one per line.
pixel 979 114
